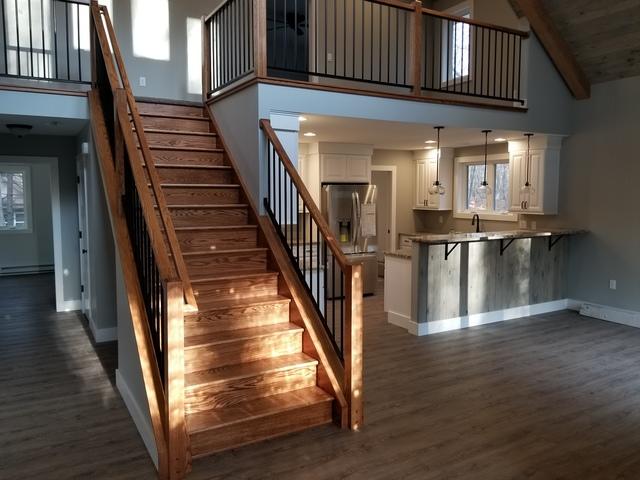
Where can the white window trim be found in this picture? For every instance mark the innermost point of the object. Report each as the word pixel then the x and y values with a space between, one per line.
pixel 460 189
pixel 459 10
pixel 25 169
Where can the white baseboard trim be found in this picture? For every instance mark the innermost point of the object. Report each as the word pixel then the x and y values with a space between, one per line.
pixel 398 320
pixel 458 323
pixel 69 305
pixel 608 314
pixel 139 418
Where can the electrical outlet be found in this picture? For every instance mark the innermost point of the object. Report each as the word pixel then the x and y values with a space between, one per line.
pixel 613 284
pixel 143 81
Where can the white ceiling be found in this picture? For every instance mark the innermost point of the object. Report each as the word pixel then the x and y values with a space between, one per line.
pixel 44 125
pixel 393 135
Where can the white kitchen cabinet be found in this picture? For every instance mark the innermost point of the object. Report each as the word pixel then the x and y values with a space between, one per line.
pixel 334 163
pixel 426 172
pixel 544 176
pixel 336 168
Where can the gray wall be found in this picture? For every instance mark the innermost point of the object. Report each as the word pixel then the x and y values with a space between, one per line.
pixel 31 251
pixel 64 148
pixel 165 79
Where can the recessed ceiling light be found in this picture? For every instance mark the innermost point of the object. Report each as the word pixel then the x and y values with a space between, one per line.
pixel 430 141
pixel 429 148
pixel 302 119
pixel 309 134
pixel 499 139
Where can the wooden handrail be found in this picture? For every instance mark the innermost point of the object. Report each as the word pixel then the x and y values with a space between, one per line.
pixel 325 231
pixel 471 21
pixel 154 178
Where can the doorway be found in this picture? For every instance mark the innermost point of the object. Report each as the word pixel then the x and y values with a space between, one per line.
pixel 83 235
pixel 384 178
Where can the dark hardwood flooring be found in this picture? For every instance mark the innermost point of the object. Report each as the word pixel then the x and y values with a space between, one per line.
pixel 549 397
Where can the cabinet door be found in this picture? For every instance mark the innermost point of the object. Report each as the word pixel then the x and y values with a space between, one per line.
pixel 422 177
pixel 536 178
pixel 334 168
pixel 358 168
pixel 517 176
pixel 433 199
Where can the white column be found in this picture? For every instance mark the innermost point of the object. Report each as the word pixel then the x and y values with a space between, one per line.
pixel 287 127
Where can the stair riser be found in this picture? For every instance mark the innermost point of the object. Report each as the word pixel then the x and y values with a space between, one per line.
pixel 201 195
pixel 180 140
pixel 229 263
pixel 186 157
pixel 195 175
pixel 236 318
pixel 178 124
pixel 231 392
pixel 248 350
pixel 159 108
pixel 248 288
pixel 203 240
pixel 209 217
pixel 255 430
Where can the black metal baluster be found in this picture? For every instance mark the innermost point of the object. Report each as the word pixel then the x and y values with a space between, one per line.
pixel 495 60
pixel 285 50
pixel 326 39
pixel 79 46
pixel 353 39
pixel 66 35
pixel 44 58
pixel 333 290
pixel 398 45
pixel 18 37
pixel 304 239
pixel 32 73
pixel 501 64
pixel 448 52
pixel 318 265
pixel 341 309
pixel 344 38
pixel 380 43
pixel 4 37
pixel 363 43
pixel 519 68
pixel 475 61
pixel 371 39
pixel 324 272
pixel 482 65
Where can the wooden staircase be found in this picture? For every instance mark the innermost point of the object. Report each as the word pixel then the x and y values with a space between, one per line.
pixel 246 376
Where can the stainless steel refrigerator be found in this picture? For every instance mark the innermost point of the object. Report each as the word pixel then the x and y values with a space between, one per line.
pixel 350 211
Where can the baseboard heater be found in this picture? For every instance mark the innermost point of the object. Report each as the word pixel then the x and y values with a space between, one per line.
pixel 616 315
pixel 26 269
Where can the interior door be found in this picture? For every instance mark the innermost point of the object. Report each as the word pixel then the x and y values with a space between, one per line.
pixel 382 180
pixel 83 233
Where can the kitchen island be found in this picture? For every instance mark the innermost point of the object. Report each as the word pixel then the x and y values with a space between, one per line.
pixel 452 281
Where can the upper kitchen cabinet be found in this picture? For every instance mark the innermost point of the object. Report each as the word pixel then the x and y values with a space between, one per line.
pixel 541 169
pixel 334 163
pixel 426 173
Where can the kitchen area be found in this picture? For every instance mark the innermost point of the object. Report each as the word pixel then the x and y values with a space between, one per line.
pixel 455 227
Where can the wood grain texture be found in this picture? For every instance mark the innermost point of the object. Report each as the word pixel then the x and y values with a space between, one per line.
pixel 244 286
pixel 187 156
pixel 220 194
pixel 155 108
pixel 209 215
pixel 175 122
pixel 195 174
pixel 226 262
pixel 181 139
pixel 198 239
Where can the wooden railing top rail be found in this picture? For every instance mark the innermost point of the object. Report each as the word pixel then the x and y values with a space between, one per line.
pixel 154 178
pixel 321 223
pixel 471 21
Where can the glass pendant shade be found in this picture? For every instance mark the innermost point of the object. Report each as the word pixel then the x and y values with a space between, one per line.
pixel 485 188
pixel 437 188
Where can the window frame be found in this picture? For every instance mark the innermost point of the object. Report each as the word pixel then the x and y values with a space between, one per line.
pixel 448 77
pixel 460 209
pixel 25 169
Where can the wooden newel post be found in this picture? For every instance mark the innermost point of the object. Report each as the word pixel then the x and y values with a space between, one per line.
pixel 416 49
pixel 353 345
pixel 176 435
pixel 206 59
pixel 260 37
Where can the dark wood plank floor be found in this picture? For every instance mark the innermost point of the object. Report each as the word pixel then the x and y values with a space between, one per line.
pixel 549 397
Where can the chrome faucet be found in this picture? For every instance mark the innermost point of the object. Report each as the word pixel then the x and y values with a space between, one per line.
pixel 475 221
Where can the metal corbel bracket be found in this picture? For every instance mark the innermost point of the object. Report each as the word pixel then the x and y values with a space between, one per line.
pixel 504 246
pixel 448 251
pixel 553 241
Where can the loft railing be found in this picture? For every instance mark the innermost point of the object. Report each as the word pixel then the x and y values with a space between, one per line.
pixel 332 282
pixel 45 40
pixel 375 45
pixel 158 272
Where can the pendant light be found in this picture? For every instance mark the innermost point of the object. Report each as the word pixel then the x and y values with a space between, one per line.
pixel 437 188
pixel 484 187
pixel 527 189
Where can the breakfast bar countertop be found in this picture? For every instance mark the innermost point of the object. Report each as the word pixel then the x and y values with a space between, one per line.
pixel 441 239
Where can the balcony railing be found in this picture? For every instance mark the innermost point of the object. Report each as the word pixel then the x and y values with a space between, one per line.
pixel 381 45
pixel 45 40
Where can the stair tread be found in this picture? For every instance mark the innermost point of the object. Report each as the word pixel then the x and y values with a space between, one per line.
pixel 239 302
pixel 228 336
pixel 254 409
pixel 179 132
pixel 176 116
pixel 217 228
pixel 250 369
pixel 191 167
pixel 224 252
pixel 226 276
pixel 208 205
pixel 199 185
pixel 185 148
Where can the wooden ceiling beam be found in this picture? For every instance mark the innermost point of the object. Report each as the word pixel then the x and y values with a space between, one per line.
pixel 556 46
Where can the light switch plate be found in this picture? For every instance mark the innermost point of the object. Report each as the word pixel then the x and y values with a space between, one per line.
pixel 613 284
pixel 143 81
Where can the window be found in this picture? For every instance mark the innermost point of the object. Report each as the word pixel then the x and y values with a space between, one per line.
pixel 14 198
pixel 456 44
pixel 469 174
pixel 150 29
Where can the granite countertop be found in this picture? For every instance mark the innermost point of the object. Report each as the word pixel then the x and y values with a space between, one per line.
pixel 400 253
pixel 441 239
